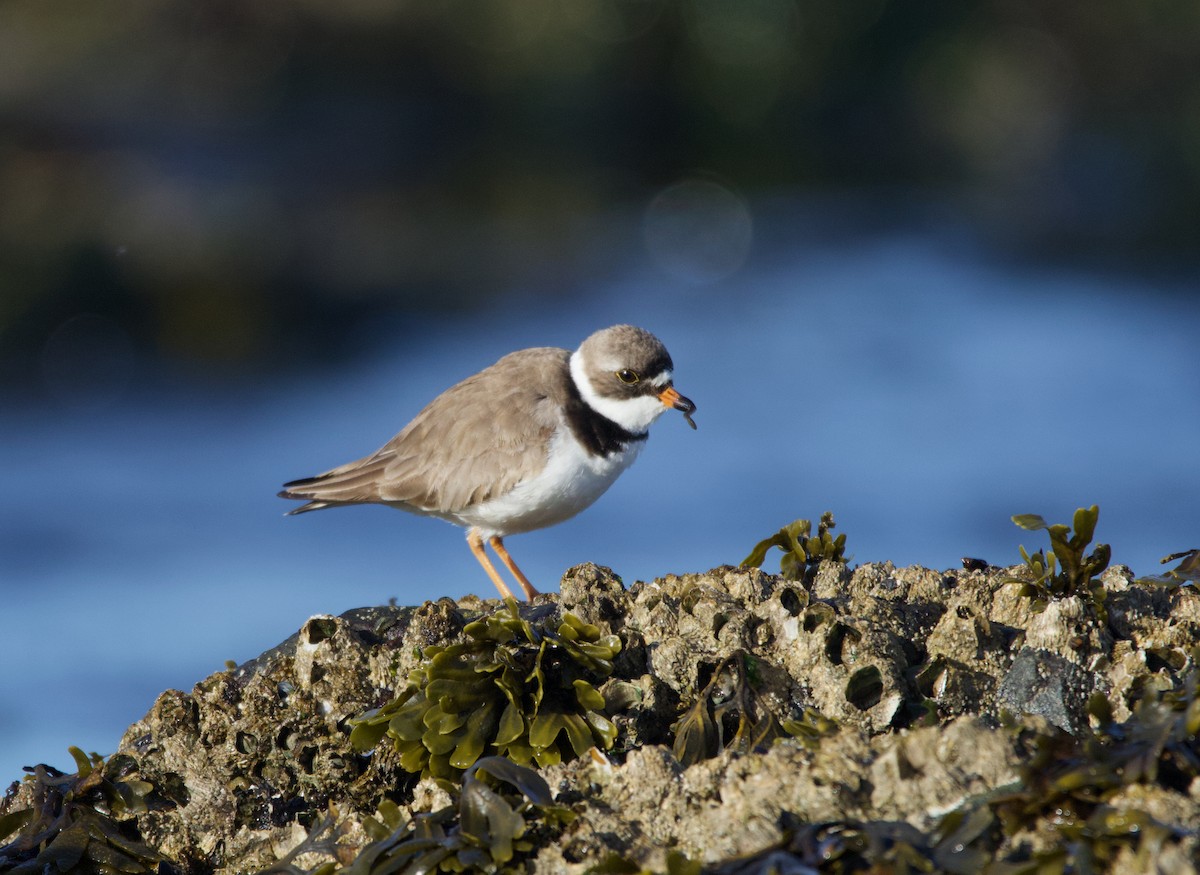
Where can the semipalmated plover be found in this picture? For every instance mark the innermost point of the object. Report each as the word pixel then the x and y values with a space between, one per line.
pixel 524 444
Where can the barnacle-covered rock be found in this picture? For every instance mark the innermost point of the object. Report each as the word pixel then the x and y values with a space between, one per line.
pixel 848 718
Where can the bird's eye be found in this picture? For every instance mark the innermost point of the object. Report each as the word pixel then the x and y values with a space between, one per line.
pixel 627 376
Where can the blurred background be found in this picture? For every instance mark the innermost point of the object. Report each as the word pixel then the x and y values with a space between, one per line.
pixel 924 265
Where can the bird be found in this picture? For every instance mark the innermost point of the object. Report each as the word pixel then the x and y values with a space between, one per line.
pixel 523 444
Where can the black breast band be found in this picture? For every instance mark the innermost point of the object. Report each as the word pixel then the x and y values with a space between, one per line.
pixel 599 435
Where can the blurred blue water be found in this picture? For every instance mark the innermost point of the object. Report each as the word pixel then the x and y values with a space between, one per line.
pixel 918 389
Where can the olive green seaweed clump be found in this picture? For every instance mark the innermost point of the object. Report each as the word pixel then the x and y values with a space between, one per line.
pixel 516 689
pixel 733 690
pixel 484 832
pixel 803 552
pixel 81 822
pixel 1186 573
pixel 1067 568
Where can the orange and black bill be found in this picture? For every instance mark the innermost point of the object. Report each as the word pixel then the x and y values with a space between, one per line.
pixel 671 398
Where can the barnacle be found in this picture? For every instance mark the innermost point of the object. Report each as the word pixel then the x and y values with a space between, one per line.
pixel 515 689
pixel 802 552
pixel 79 822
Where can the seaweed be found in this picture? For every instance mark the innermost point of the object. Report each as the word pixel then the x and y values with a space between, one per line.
pixel 485 832
pixel 1157 745
pixel 1066 785
pixel 1066 569
pixel 836 847
pixel 810 727
pixel 678 863
pixel 802 552
pixel 1185 573
pixel 516 689
pixel 1070 786
pixel 700 730
pixel 839 847
pixel 79 822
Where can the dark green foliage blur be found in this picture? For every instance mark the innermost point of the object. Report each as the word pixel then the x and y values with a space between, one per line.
pixel 241 183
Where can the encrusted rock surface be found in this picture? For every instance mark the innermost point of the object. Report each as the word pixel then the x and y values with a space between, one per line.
pixel 915 667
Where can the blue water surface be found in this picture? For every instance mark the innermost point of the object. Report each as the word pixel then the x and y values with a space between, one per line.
pixel 921 390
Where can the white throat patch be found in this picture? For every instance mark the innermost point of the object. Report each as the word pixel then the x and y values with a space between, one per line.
pixel 632 414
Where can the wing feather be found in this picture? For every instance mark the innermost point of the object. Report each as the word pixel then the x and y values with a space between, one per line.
pixel 471 443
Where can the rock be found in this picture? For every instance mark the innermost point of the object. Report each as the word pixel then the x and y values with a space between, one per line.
pixel 594 594
pixel 915 668
pixel 1048 685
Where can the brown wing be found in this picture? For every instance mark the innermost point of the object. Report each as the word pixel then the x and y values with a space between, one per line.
pixel 469 444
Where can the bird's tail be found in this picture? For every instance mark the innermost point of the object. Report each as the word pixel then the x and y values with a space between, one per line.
pixel 305 508
pixel 299 490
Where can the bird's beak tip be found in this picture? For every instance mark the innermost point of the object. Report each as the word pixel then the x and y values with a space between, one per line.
pixel 670 397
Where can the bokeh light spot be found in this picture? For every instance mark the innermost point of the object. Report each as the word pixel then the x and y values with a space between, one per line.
pixel 698 231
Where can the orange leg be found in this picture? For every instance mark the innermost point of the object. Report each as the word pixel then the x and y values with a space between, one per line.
pixel 498 546
pixel 475 542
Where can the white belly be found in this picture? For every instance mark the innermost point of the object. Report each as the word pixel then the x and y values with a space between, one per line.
pixel 571 481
